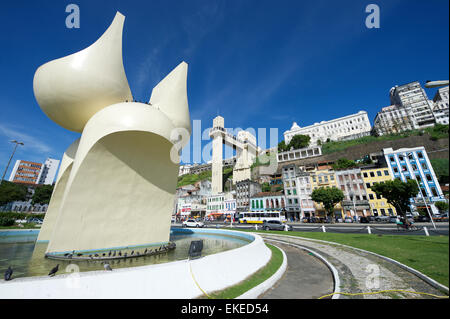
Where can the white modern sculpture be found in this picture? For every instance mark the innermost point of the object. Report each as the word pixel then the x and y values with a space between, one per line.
pixel 116 185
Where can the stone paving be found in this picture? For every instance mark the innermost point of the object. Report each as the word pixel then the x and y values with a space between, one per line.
pixel 358 272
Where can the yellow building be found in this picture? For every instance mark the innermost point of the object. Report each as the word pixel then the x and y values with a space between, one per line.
pixel 324 177
pixel 378 204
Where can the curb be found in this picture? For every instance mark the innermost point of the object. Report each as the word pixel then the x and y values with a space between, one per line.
pixel 255 292
pixel 415 272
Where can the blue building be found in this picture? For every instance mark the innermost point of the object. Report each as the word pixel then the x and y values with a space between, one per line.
pixel 413 163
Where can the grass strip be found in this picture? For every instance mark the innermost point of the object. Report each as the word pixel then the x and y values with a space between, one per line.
pixel 254 280
pixel 429 255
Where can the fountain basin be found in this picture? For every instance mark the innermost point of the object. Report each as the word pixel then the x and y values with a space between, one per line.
pixel 170 280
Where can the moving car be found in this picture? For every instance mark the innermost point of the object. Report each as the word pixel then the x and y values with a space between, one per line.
pixel 275 225
pixel 193 223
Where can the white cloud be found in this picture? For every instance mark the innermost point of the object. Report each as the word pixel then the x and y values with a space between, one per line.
pixel 31 141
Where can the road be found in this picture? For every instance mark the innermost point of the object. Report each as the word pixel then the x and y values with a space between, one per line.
pixel 350 228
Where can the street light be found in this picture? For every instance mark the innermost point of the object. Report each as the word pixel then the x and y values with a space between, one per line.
pixel 15 147
pixel 434 84
pixel 420 189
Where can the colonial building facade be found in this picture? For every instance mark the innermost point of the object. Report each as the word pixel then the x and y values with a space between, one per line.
pixel 344 128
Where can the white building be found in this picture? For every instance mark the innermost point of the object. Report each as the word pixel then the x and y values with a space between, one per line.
pixel 392 119
pixel 48 172
pixel 219 205
pixel 441 106
pixel 414 100
pixel 344 128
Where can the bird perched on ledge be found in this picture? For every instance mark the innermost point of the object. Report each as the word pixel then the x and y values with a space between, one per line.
pixel 54 270
pixel 107 266
pixel 8 273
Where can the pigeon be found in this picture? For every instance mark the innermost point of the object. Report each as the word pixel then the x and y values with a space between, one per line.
pixel 96 255
pixel 109 255
pixel 125 255
pixel 132 252
pixel 8 273
pixel 145 251
pixel 103 255
pixel 114 255
pixel 107 267
pixel 120 253
pixel 54 270
pixel 79 255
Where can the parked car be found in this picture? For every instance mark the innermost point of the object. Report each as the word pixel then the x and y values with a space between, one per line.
pixel 441 217
pixel 193 223
pixel 364 220
pixel 275 225
pixel 173 219
pixel 422 219
pixel 393 219
pixel 382 219
pixel 35 220
pixel 348 220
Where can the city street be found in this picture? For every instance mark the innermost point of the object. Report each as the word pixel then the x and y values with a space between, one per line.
pixel 350 228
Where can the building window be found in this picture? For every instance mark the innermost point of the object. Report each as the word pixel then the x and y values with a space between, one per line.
pixel 383 212
pixel 386 172
pixel 378 173
pixel 395 169
pixel 372 174
pixel 371 196
pixel 419 155
pixel 424 166
pixel 428 176
pixel 434 192
pixel 365 174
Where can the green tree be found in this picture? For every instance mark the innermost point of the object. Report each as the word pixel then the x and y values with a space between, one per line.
pixel 440 166
pixel 343 163
pixel 442 206
pixel 42 194
pixel 397 193
pixel 265 187
pixel 282 147
pixel 329 197
pixel 299 141
pixel 10 192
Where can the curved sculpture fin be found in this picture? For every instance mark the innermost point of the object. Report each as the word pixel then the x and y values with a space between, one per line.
pixel 70 90
pixel 170 96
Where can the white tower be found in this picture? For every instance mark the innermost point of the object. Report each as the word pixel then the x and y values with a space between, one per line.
pixel 217 155
pixel 246 151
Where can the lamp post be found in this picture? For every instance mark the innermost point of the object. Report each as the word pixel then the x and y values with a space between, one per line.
pixel 6 169
pixel 435 84
pixel 420 189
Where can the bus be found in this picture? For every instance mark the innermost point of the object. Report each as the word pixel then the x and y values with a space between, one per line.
pixel 259 217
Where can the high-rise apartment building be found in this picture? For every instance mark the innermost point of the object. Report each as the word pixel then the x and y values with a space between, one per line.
pixel 30 173
pixel 413 163
pixel 391 120
pixel 414 100
pixel 441 106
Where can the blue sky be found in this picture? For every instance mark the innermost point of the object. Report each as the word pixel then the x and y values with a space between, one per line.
pixel 260 64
